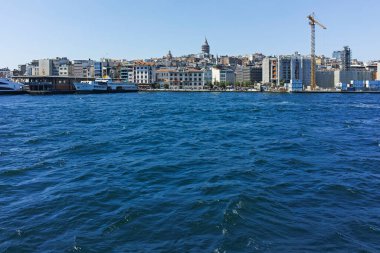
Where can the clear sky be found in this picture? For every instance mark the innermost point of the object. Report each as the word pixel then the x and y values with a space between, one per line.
pixel 131 29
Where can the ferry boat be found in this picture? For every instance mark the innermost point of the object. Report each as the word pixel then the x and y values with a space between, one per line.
pixel 9 87
pixel 90 86
pixel 104 85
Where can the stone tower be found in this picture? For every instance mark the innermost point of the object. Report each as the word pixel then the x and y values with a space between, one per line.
pixel 206 47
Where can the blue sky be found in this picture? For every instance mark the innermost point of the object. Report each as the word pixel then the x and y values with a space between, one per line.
pixel 130 29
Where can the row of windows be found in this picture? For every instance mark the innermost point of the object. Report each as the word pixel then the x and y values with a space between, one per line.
pixel 142 68
pixel 185 79
pixel 182 74
pixel 188 84
pixel 142 81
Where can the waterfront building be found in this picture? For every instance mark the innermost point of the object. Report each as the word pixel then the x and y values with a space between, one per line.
pixel 325 79
pixel 22 69
pixel 294 67
pixel 269 70
pixel 28 70
pixel 32 68
pixel 45 67
pixel 248 74
pixel 66 70
pixel 207 76
pixel 257 74
pixel 378 71
pixel 222 74
pixel 345 76
pixel 35 71
pixel 98 67
pixel 284 73
pixel 56 63
pixel 143 73
pixel 83 68
pixel 126 72
pixel 180 78
pixel 5 72
pixel 295 85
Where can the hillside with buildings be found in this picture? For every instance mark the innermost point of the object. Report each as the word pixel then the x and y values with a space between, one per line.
pixel 205 71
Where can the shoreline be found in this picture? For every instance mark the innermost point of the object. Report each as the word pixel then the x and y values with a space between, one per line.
pixel 73 92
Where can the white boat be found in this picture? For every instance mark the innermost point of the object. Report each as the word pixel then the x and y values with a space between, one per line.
pixel 9 87
pixel 105 85
pixel 90 86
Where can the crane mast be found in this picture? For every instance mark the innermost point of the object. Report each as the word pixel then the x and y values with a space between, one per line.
pixel 312 22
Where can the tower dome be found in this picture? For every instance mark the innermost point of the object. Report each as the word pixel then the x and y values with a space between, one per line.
pixel 169 56
pixel 206 47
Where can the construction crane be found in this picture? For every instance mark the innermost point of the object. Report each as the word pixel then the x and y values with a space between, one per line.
pixel 312 22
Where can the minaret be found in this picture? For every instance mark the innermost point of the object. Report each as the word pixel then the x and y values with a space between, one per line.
pixel 206 47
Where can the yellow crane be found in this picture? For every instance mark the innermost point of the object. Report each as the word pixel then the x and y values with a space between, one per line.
pixel 312 22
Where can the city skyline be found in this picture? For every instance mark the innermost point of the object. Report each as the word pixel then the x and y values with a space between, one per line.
pixel 130 30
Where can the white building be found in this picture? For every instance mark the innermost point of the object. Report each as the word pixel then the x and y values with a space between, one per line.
pixel 223 75
pixel 207 76
pixel 378 71
pixel 45 67
pixel 180 78
pixel 66 70
pixel 143 73
pixel 35 71
pixel 269 73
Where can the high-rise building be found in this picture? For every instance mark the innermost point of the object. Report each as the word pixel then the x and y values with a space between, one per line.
pixel 346 58
pixel 269 70
pixel 294 67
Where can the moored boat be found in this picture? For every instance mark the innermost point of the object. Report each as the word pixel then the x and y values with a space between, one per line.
pixel 104 85
pixel 7 87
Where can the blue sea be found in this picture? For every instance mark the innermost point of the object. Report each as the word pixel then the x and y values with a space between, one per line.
pixel 190 172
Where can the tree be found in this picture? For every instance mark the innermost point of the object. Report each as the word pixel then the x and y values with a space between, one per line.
pixel 209 85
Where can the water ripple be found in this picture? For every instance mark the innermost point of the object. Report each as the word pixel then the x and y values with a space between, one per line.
pixel 190 172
